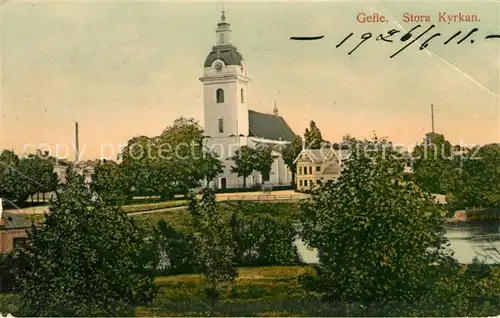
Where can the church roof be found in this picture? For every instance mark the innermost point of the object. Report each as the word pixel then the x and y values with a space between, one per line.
pixel 269 126
pixel 227 53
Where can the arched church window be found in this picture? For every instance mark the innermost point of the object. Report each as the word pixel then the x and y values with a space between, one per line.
pixel 242 96
pixel 221 37
pixel 220 95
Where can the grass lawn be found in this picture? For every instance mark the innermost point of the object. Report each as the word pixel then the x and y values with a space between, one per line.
pixel 129 208
pixel 180 218
pixel 259 291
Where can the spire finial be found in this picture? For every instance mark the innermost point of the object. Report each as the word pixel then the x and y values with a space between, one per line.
pixel 223 15
pixel 275 110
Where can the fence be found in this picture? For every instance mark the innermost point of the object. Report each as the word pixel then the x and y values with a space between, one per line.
pixel 269 197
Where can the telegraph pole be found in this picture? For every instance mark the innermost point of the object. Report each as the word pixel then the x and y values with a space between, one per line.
pixel 432 117
pixel 77 147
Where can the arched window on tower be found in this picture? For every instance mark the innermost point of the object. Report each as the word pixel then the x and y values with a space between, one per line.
pixel 221 38
pixel 242 95
pixel 220 95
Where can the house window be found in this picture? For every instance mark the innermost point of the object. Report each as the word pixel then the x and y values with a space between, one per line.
pixel 220 95
pixel 310 170
pixel 305 183
pixel 221 125
pixel 318 168
pixel 305 170
pixel 18 243
pixel 300 182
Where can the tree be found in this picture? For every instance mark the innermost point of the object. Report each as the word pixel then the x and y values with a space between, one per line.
pixel 313 137
pixel 88 259
pixel 138 166
pixel 110 182
pixel 376 237
pixel 216 251
pixel 433 167
pixel 348 142
pixel 290 153
pixel 263 160
pixel 172 163
pixel 211 167
pixel 479 178
pixel 184 142
pixel 10 187
pixel 21 178
pixel 244 163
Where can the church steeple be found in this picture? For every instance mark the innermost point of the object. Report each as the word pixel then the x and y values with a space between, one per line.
pixel 223 31
pixel 275 110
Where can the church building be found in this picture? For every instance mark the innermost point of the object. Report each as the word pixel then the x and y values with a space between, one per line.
pixel 229 122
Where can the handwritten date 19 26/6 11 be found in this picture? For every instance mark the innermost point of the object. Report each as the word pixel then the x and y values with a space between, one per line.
pixel 389 37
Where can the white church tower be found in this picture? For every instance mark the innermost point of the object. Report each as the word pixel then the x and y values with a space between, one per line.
pixel 228 121
pixel 225 94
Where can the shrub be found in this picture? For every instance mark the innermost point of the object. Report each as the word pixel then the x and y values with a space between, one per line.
pixel 263 240
pixel 88 259
pixel 376 237
pixel 177 251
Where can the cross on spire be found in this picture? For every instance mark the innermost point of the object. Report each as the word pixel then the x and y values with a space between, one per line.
pixel 223 15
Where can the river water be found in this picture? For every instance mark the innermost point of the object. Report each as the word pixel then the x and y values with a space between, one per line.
pixel 467 241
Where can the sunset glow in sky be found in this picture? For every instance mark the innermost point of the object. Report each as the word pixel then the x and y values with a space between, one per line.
pixel 128 68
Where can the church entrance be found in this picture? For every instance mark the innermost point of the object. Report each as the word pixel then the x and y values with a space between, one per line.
pixel 265 177
pixel 223 183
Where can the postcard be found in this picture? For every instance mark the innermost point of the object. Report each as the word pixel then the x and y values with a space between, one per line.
pixel 249 158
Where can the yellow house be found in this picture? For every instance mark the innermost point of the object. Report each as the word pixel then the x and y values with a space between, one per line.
pixel 314 165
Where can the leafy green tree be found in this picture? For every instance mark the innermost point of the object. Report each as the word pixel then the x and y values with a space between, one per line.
pixel 479 178
pixel 171 163
pixel 313 137
pixel 183 142
pixel 376 236
pixel 244 163
pixel 21 178
pixel 290 153
pixel 215 249
pixel 138 165
pixel 37 174
pixel 433 167
pixel 348 142
pixel 263 160
pixel 210 167
pixel 10 187
pixel 110 182
pixel 88 259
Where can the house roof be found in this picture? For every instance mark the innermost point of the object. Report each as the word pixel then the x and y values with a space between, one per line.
pixel 269 126
pixel 319 155
pixel 13 221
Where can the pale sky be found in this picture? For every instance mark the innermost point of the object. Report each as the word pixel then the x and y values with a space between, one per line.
pixel 128 68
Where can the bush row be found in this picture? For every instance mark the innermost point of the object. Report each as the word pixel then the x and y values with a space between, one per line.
pixel 259 240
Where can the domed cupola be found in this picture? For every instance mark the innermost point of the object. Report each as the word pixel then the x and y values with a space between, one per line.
pixel 224 50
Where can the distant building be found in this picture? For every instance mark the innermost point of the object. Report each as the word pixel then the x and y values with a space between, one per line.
pixel 13 233
pixel 85 168
pixel 314 165
pixel 229 123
